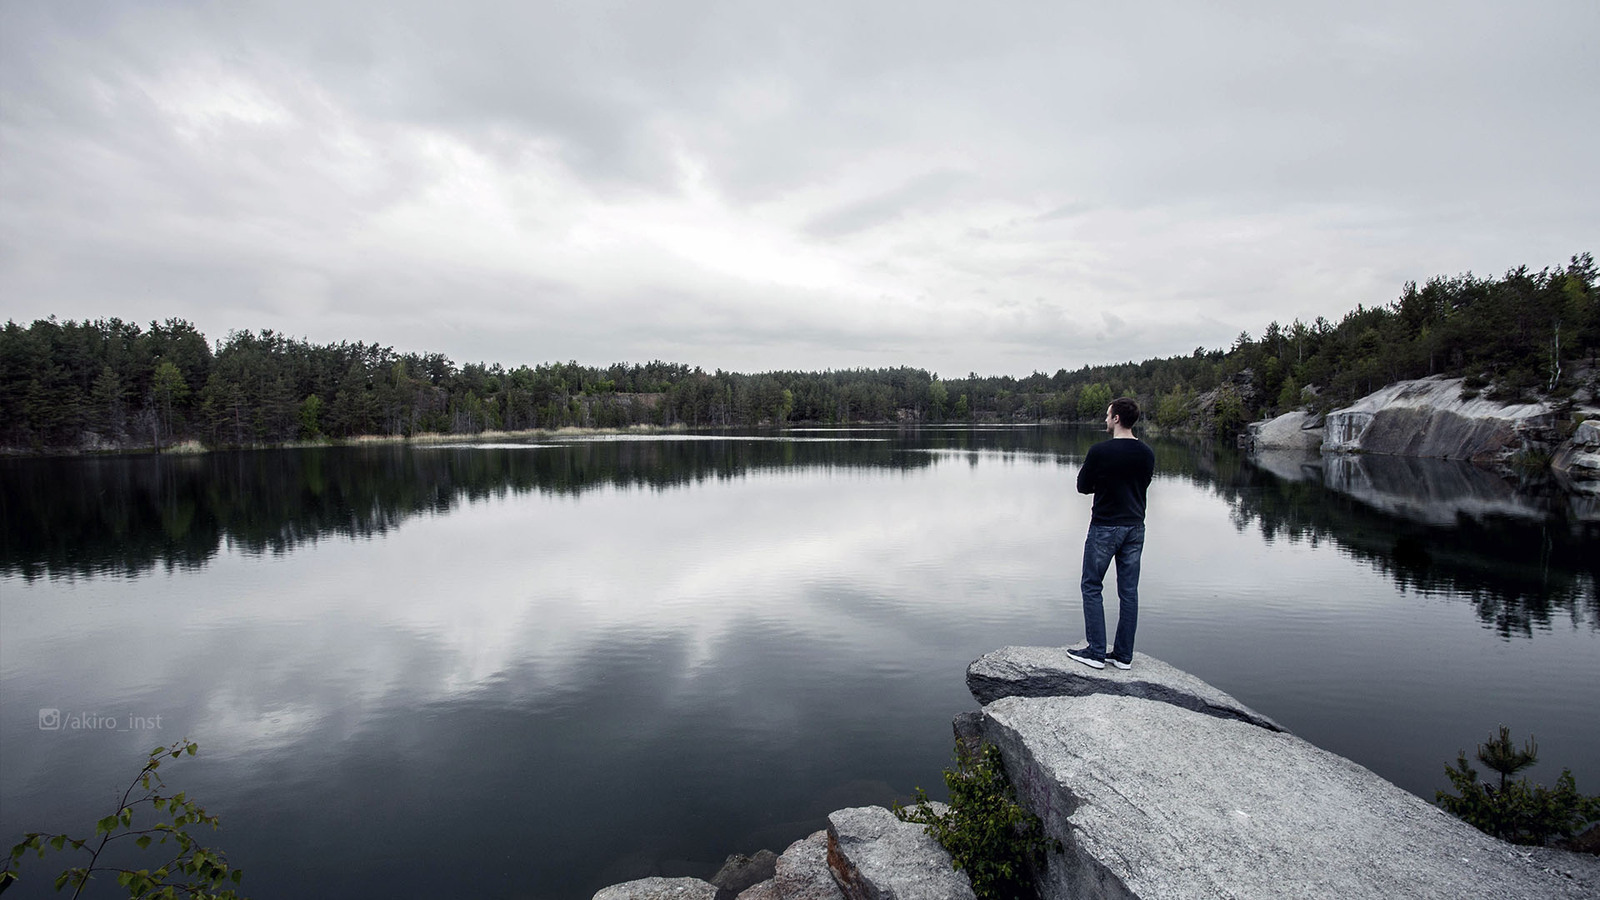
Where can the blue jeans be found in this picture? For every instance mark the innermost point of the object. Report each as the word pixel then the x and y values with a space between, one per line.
pixel 1126 544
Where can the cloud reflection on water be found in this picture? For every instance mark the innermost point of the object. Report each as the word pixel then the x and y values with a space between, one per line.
pixel 681 654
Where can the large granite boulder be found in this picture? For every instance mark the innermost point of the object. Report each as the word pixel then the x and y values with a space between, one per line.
pixel 1171 792
pixel 1427 417
pixel 659 889
pixel 1578 459
pixel 875 856
pixel 800 873
pixel 1049 672
pixel 1298 430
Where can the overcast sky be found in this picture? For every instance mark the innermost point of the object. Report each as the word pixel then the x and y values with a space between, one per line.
pixel 963 186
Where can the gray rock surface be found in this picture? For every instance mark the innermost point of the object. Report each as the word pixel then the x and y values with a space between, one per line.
pixel 1298 430
pixel 1578 459
pixel 1049 672
pixel 740 871
pixel 766 890
pixel 659 889
pixel 801 873
pixel 875 856
pixel 968 728
pixel 1427 417
pixel 1582 869
pixel 1151 799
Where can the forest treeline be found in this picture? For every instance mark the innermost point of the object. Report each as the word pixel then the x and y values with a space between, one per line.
pixel 110 384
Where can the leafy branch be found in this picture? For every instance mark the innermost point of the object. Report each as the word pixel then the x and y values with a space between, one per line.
pixel 193 871
pixel 988 834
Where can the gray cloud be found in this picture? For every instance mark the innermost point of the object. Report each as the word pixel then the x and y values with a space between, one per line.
pixel 753 185
pixel 886 207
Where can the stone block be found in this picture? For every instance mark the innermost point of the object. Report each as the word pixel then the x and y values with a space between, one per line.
pixel 875 856
pixel 802 872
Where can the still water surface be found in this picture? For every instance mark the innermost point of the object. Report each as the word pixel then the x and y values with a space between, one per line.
pixel 530 670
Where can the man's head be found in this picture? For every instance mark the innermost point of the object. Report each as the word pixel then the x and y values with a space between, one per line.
pixel 1123 411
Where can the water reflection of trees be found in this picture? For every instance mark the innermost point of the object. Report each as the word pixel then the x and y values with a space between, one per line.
pixel 129 514
pixel 1521 554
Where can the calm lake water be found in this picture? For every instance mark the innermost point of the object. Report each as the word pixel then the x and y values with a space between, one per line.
pixel 530 670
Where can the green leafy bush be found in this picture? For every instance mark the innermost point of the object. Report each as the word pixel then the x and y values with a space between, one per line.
pixel 1173 408
pixel 1230 414
pixel 987 833
pixel 193 871
pixel 1516 811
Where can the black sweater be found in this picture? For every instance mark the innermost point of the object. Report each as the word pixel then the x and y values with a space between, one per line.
pixel 1117 472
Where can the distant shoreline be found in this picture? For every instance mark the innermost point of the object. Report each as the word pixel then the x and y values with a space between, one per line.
pixel 193 447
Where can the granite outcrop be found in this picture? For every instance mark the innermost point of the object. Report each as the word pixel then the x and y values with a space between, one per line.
pixel 1151 798
pixel 1438 418
pixel 1429 417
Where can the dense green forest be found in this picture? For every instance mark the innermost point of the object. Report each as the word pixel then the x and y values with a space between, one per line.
pixel 112 384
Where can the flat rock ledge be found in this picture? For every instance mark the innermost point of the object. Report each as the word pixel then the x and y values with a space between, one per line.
pixel 1157 799
pixel 1049 672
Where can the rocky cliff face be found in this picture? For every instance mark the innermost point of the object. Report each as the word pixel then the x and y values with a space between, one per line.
pixel 1427 417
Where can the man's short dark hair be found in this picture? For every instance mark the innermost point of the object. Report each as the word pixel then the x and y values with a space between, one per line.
pixel 1126 409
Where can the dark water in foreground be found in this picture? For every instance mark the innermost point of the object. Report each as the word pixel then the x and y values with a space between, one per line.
pixel 532 670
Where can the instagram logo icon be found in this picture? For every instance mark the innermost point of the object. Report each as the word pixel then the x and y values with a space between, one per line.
pixel 49 719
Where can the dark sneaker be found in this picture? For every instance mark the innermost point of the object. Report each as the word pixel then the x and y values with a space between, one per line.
pixel 1120 663
pixel 1082 655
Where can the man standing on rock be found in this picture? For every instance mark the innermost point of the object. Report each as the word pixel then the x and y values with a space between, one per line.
pixel 1117 472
